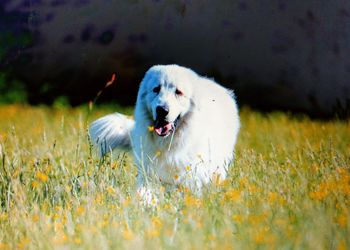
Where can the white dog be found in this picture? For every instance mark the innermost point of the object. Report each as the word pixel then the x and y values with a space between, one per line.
pixel 184 131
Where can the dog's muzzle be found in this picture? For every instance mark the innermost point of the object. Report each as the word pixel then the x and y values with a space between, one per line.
pixel 163 128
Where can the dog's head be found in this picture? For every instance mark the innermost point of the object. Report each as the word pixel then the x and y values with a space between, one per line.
pixel 167 93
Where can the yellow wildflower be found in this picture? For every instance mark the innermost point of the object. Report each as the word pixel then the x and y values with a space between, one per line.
pixel 112 207
pixel 104 223
pixel 98 199
pixel 35 218
pixel 153 202
pixel 253 189
pixel 80 210
pixel 150 128
pixel 4 246
pixel 152 233
pixel 110 190
pixel 68 188
pixel 264 236
pixel 237 218
pixel 156 222
pixel 3 216
pixel 126 202
pixel 114 165
pixel 128 235
pixel 77 240
pixel 3 136
pixel 342 246
pixel 41 176
pixel 243 181
pixel 60 238
pixel 55 216
pixel 342 220
pixel 225 183
pixel 211 237
pixel 232 195
pixel 192 201
pixel 16 173
pixel 257 219
pixel 35 184
pixel 23 243
pixel 272 197
pixel 199 224
pixel 78 227
pixel 167 206
pixel 318 195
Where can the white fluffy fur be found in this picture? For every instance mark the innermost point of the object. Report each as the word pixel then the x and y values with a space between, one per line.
pixel 111 131
pixel 201 146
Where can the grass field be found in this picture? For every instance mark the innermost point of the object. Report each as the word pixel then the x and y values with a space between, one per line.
pixel 289 188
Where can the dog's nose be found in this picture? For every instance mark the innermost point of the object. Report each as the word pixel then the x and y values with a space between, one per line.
pixel 162 111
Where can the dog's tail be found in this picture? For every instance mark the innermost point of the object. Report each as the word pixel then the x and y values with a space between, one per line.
pixel 111 131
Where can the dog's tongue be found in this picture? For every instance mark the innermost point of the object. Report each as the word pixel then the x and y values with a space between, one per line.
pixel 163 130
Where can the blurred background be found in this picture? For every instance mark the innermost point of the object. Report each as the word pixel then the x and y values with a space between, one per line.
pixel 275 54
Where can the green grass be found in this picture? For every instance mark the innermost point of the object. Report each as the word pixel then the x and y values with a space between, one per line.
pixel 289 188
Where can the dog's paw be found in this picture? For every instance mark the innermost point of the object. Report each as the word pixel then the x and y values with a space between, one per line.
pixel 147 197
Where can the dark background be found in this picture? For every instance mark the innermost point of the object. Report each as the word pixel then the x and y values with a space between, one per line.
pixel 276 54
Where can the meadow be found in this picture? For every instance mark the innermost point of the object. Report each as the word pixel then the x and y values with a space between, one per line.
pixel 288 188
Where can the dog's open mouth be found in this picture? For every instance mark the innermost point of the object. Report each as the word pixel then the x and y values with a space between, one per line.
pixel 164 128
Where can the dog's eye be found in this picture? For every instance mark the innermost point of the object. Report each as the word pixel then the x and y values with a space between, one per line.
pixel 156 89
pixel 178 92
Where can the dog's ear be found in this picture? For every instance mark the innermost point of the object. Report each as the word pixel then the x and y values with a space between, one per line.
pixel 111 131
